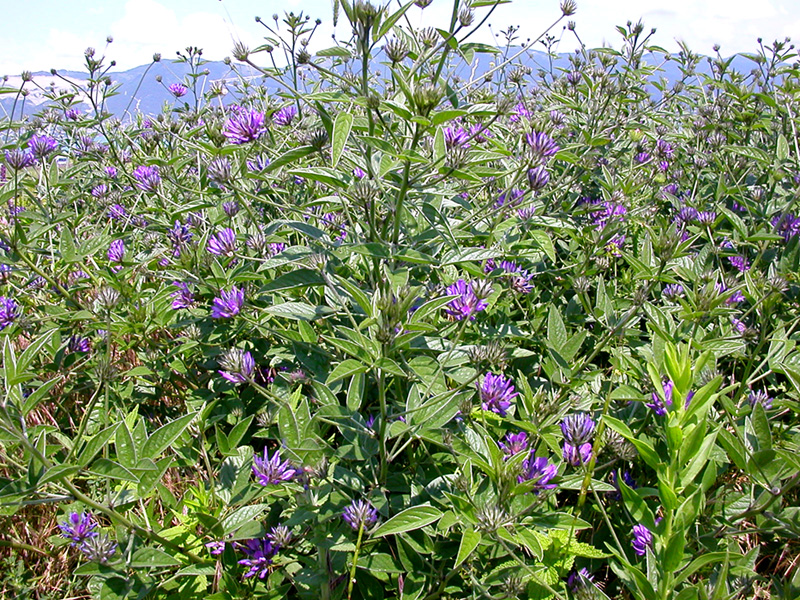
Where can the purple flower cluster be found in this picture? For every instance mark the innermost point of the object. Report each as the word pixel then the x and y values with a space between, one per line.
pixel 42 145
pixel 467 302
pixel 177 89
pixel 259 554
pixel 785 224
pixel 577 429
pixel 237 366
pixel 180 236
pixel 183 296
pixel 456 137
pixel 223 243
pixel 660 406
pixel 269 470
pixel 19 159
pixel 147 178
pixel 541 146
pixel 227 304
pixel 642 539
pixel 497 393
pixel 539 470
pixel 285 115
pixel 608 212
pixel 9 312
pixel 244 126
pixel 360 513
pixel 78 527
pixel 514 443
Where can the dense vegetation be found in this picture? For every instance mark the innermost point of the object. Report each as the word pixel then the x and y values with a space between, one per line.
pixel 407 334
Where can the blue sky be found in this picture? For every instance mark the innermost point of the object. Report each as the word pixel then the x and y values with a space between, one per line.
pixel 40 34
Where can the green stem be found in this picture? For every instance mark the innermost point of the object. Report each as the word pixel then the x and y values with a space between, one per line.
pixel 352 581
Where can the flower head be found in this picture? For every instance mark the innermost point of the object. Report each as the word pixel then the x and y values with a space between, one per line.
pixel 642 539
pixel 259 553
pixel 228 304
pixel 116 251
pixel 223 243
pixel 269 470
pixel 244 126
pixel 177 89
pixel 78 527
pixel 496 394
pixel 42 145
pixel 180 236
pixel 538 177
pixel 577 455
pixel 467 303
pixel 284 116
pixel 147 178
pixel 360 513
pixel 760 397
pixel 9 312
pixel 216 547
pixel 514 443
pixel 237 365
pixel 182 297
pixel 541 146
pixel 538 470
pixel 577 428
pixel 99 548
pixel 19 159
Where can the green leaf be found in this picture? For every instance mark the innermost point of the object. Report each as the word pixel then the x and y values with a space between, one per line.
pixel 761 427
pixel 699 562
pixel 344 369
pixel 294 279
pixel 245 514
pixel 556 331
pixel 390 21
pixel 335 51
pixel 94 445
pixel 530 540
pixel 288 157
pixel 298 311
pixel 782 151
pixel 164 436
pixel 412 518
pixel 126 449
pixel 112 470
pixel 469 541
pixel 152 557
pixel 341 131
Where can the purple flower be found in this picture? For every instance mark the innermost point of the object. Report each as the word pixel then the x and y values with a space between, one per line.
pixel 259 163
pixel 285 115
pixel 216 547
pixel 538 177
pixel 244 126
pixel 78 344
pixel 271 471
pixel 9 312
pixel 456 137
pixel 360 513
pixel 280 536
pixel 359 173
pixel 658 405
pixel 786 224
pixel 706 217
pixel 275 248
pixel 78 527
pixel 520 111
pixel 183 297
pixel 177 89
pixel 116 251
pixel 665 149
pixel 496 393
pixel 228 304
pixel 223 243
pixel 760 397
pixel 479 132
pixel 147 178
pixel 538 470
pixel 259 557
pixel 642 157
pixel 231 208
pixel 19 159
pixel 672 291
pixel 642 539
pixel 577 428
pixel 5 270
pixel 577 455
pixel 514 444
pixel 467 303
pixel 117 212
pixel 42 145
pixel 180 236
pixel 511 198
pixel 739 326
pixel 237 365
pixel 609 212
pixel 541 145
pixel 111 172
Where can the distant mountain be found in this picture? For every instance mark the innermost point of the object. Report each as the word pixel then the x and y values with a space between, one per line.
pixel 139 89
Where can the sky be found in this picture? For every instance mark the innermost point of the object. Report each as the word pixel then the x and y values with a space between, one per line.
pixel 38 35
